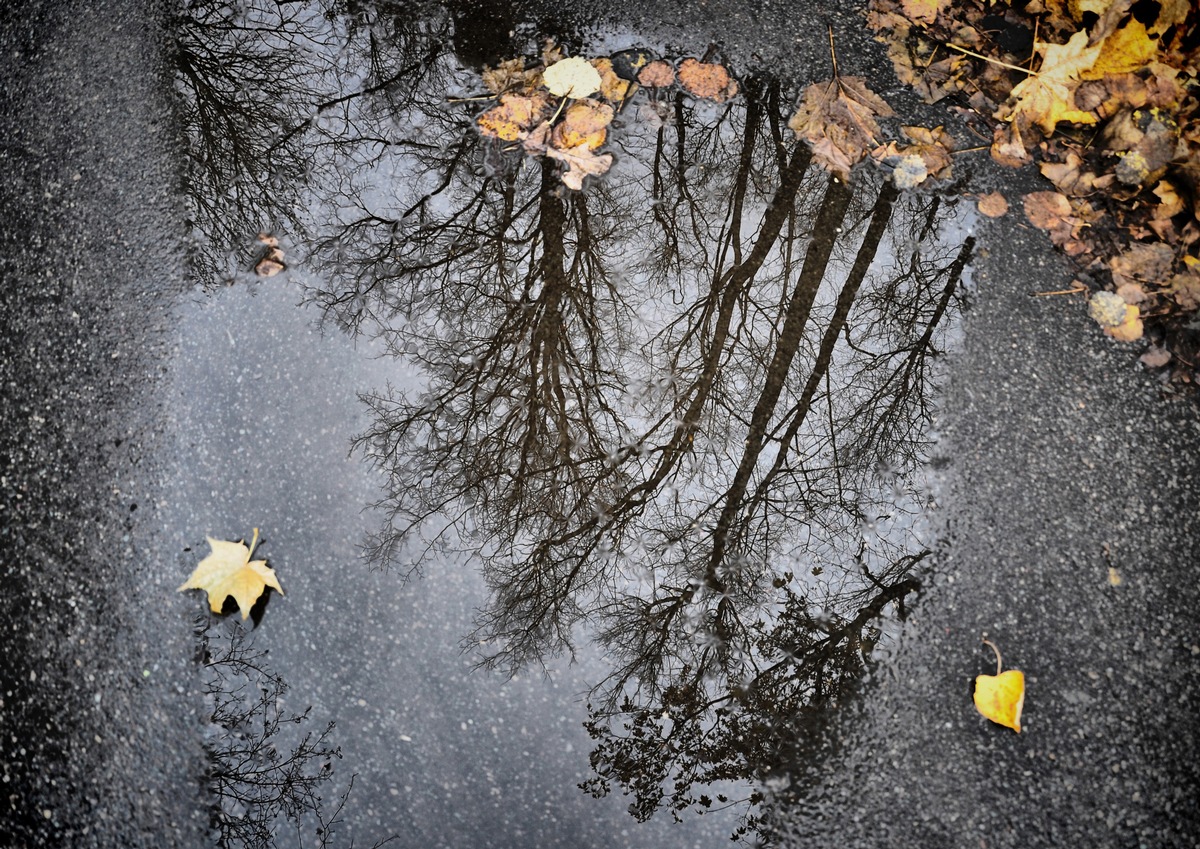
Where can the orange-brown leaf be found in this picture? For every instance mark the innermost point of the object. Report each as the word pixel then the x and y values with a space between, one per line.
pixel 709 80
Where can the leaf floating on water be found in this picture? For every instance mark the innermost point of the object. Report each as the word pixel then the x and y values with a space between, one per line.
pixel 270 262
pixel 514 114
pixel 581 162
pixel 838 119
pixel 574 78
pixel 1001 697
pixel 657 74
pixel 709 80
pixel 584 123
pixel 229 571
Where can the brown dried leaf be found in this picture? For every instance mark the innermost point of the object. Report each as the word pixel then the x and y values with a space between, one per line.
pixel 1008 147
pixel 709 80
pixel 993 205
pixel 511 74
pixel 515 114
pixel 657 74
pixel 612 87
pixel 1142 263
pixel 838 119
pixel 1046 210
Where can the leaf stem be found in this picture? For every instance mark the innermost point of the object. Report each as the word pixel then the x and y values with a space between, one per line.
pixel 993 61
pixel 253 544
pixel 996 650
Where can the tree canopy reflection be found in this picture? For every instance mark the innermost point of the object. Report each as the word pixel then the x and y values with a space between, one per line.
pixel 683 413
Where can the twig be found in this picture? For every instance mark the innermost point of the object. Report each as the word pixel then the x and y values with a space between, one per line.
pixel 1074 290
pixel 993 61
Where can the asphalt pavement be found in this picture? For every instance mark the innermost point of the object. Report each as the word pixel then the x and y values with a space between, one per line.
pixel 1067 500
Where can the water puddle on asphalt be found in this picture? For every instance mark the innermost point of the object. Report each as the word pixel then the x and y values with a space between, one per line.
pixel 675 425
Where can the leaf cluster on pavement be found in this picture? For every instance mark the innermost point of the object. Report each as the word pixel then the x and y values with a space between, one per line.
pixel 1102 96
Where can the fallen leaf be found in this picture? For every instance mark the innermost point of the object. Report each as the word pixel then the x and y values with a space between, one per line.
pixel 710 80
pixel 627 63
pixel 922 11
pixel 1008 146
pixel 993 205
pixel 511 74
pixel 612 86
pixel 229 571
pixel 1127 49
pixel 585 123
pixel 1001 697
pixel 657 74
pixel 1046 210
pixel 1119 320
pixel 1148 263
pixel 514 114
pixel 1155 357
pixel 838 119
pixel 574 77
pixel 581 163
pixel 912 164
pixel 270 261
pixel 1047 97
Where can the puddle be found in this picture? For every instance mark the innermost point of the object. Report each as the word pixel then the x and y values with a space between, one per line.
pixel 675 426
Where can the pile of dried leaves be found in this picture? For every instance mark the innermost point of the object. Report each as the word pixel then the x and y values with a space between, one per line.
pixel 1102 95
pixel 562 108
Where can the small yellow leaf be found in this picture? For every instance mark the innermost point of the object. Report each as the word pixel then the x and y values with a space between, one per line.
pixel 1001 697
pixel 229 571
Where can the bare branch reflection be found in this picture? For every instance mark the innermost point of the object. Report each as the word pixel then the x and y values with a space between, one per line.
pixel 684 412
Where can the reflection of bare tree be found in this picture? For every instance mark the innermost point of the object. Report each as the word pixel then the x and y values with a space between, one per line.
pixel 647 406
pixel 685 408
pixel 266 108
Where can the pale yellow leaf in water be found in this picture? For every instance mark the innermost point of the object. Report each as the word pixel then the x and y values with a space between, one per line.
pixel 229 571
pixel 574 77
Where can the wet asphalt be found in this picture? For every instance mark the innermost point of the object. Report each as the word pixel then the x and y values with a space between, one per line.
pixel 1062 467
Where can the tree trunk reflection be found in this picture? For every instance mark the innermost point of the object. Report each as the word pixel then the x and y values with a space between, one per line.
pixel 684 412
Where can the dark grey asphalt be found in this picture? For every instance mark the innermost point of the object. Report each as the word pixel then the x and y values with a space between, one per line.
pixel 1056 448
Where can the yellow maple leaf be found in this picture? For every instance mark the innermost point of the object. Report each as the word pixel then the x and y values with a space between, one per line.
pixel 1001 697
pixel 229 571
pixel 1129 48
pixel 1047 97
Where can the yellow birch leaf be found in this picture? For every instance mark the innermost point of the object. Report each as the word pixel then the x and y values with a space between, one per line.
pixel 229 571
pixel 574 78
pixel 1001 697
